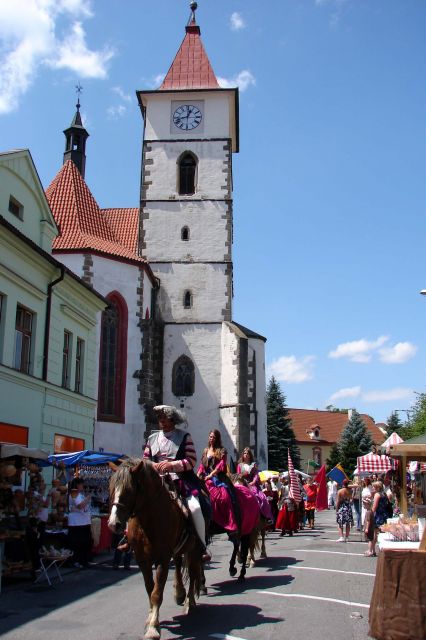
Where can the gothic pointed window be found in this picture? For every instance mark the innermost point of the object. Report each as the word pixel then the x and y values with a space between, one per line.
pixel 113 360
pixel 187 170
pixel 183 377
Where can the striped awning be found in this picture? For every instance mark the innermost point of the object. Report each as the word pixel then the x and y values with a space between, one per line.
pixel 373 463
pixel 394 438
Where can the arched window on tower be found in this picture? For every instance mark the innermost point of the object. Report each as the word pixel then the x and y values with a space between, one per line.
pixel 187 300
pixel 183 377
pixel 184 233
pixel 187 170
pixel 113 360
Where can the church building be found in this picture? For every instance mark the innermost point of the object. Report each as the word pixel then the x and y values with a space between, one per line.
pixel 166 268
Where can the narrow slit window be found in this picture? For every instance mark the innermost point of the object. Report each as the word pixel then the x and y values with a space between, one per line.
pixel 187 168
pixel 184 234
pixel 187 300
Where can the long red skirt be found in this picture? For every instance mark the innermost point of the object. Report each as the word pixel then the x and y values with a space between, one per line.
pixel 287 520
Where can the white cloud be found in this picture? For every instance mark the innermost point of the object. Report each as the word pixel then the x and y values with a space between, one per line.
pixel 291 369
pixel 124 96
pixel 237 22
pixel 348 392
pixel 387 395
pixel 72 53
pixel 116 111
pixel 399 353
pixel 29 40
pixel 153 82
pixel 243 80
pixel 358 350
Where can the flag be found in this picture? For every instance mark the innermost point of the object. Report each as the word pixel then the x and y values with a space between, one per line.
pixel 337 474
pixel 294 491
pixel 312 463
pixel 321 480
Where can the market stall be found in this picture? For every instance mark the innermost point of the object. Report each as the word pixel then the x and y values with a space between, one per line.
pixel 21 497
pixel 397 608
pixel 413 450
pixel 92 467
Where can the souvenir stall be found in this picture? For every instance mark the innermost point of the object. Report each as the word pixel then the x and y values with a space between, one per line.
pixel 93 468
pixel 397 608
pixel 22 494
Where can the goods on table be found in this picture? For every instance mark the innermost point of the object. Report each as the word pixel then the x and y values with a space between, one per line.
pixel 402 529
pixel 52 552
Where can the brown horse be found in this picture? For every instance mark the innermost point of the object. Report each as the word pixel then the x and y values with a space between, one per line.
pixel 157 531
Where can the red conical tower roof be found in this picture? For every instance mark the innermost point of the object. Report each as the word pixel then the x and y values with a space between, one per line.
pixel 83 226
pixel 191 68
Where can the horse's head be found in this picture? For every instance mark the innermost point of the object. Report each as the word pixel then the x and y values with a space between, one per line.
pixel 124 489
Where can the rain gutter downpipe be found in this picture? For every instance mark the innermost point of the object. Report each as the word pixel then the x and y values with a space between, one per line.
pixel 47 323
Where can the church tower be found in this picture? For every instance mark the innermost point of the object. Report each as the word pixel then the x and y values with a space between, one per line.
pixel 190 134
pixel 75 146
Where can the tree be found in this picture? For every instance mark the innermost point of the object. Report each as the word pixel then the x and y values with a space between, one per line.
pixel 334 457
pixel 355 441
pixel 334 409
pixel 417 424
pixel 280 434
pixel 394 424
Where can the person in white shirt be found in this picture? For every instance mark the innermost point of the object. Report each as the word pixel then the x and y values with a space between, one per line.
pixel 331 493
pixel 79 524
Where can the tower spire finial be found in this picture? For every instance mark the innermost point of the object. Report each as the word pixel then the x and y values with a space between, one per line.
pixel 193 6
pixel 76 136
pixel 78 90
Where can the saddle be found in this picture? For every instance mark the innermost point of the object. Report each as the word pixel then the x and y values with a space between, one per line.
pixel 174 494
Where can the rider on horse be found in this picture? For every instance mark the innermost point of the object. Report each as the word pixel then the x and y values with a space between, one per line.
pixel 173 453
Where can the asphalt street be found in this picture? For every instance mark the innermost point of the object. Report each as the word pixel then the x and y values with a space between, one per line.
pixel 309 586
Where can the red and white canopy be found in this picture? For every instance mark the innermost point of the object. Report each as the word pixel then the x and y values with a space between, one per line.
pixel 394 438
pixel 373 463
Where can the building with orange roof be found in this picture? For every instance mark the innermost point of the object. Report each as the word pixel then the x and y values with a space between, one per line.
pixel 316 432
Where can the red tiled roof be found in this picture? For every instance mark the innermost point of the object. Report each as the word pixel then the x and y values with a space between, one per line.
pixel 191 68
pixel 124 223
pixel 331 425
pixel 83 225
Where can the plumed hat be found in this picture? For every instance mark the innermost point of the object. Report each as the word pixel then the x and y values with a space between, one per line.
pixel 170 412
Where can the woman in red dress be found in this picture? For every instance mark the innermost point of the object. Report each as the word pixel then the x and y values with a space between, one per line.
pixel 311 490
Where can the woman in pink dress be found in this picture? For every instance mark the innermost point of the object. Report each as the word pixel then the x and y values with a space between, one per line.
pixel 213 469
pixel 247 468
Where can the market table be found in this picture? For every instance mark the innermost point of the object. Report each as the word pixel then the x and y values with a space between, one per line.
pixel 398 602
pixel 51 563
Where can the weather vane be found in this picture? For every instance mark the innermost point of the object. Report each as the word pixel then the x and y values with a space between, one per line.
pixel 78 90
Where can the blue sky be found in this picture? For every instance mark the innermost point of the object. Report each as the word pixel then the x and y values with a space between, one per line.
pixel 329 184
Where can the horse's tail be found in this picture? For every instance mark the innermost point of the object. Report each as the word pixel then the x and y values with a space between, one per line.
pixel 192 565
pixel 254 540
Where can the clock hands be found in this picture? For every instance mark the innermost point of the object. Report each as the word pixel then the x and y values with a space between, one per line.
pixel 187 117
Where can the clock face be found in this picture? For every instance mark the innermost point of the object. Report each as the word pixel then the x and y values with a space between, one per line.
pixel 187 117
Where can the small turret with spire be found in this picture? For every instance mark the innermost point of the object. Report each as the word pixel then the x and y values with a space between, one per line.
pixel 76 136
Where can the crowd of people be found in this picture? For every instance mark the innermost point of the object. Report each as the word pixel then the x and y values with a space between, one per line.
pixel 210 494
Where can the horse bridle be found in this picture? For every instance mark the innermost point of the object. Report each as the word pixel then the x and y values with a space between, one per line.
pixel 123 506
